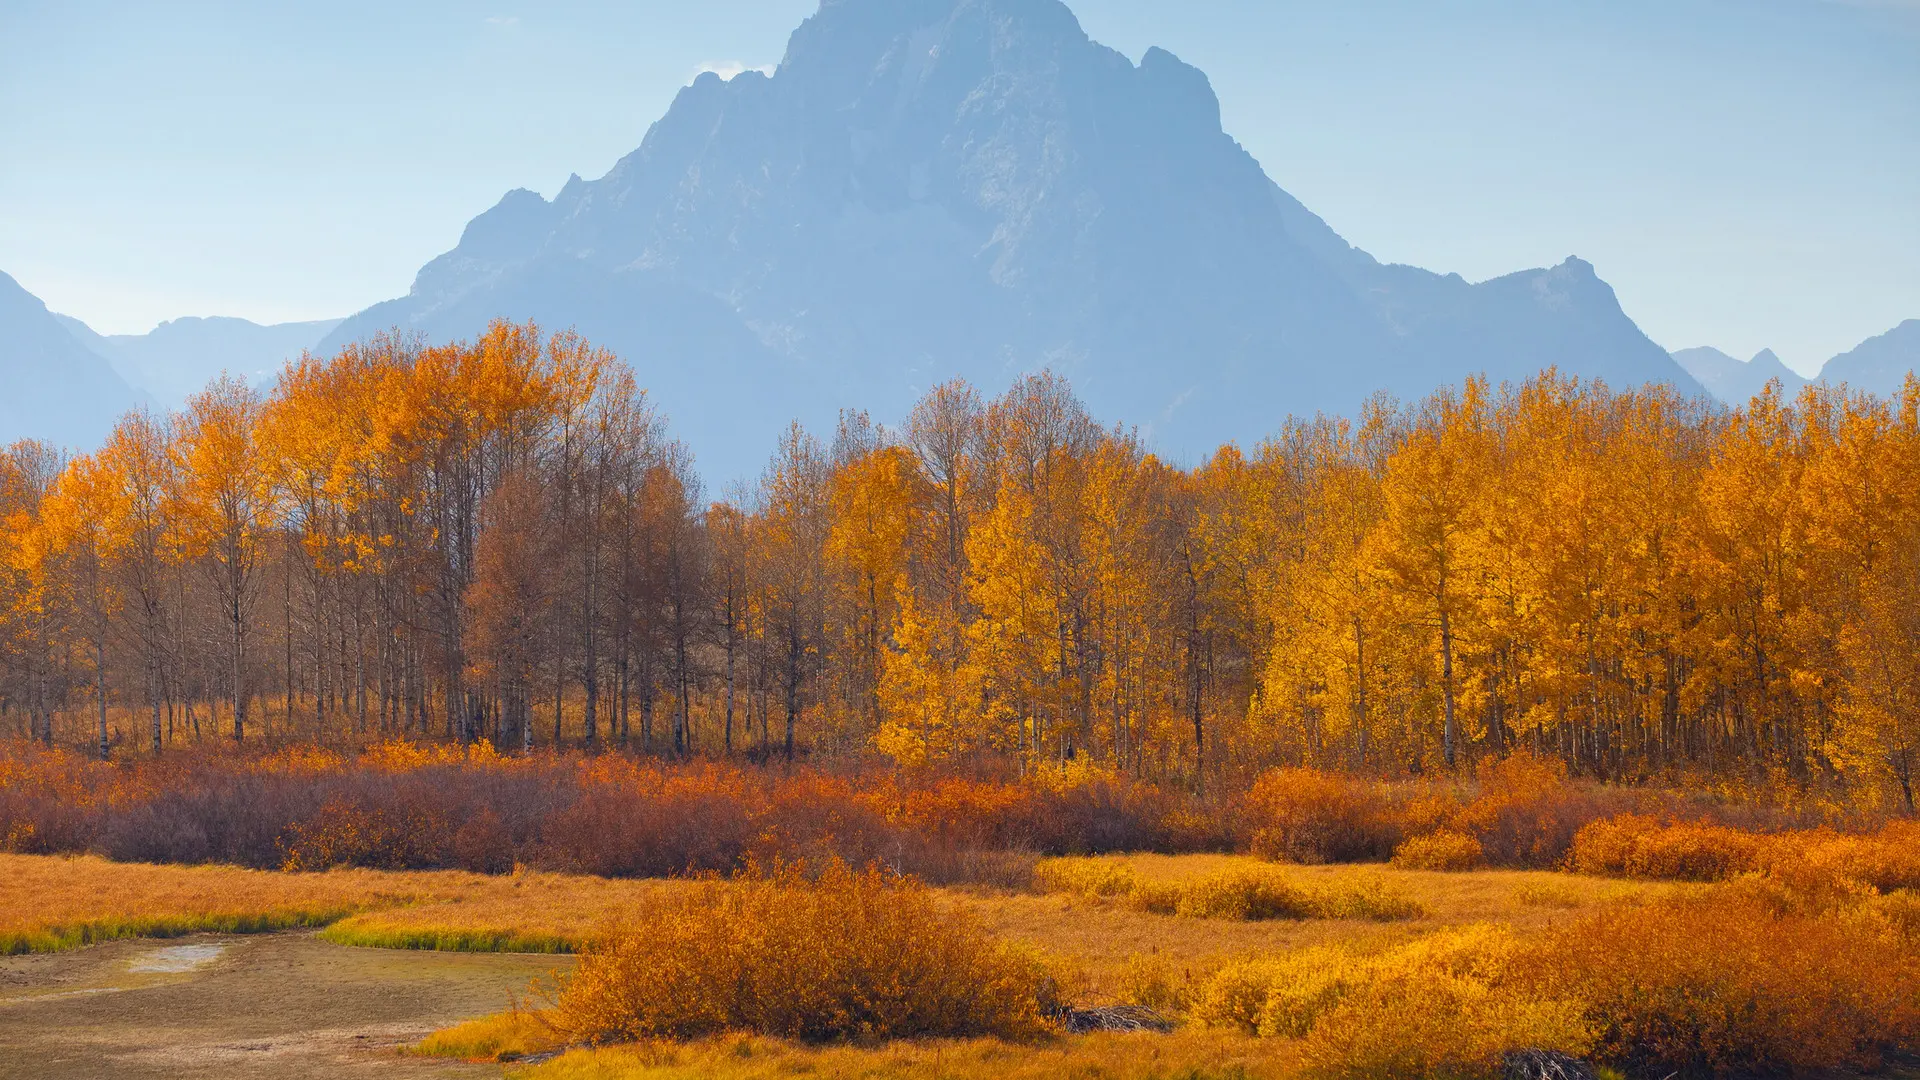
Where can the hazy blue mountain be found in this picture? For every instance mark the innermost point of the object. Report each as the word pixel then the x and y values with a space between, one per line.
pixel 1735 381
pixel 1880 364
pixel 177 359
pixel 931 188
pixel 52 388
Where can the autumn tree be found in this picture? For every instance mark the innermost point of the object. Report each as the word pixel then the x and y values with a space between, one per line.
pixel 226 510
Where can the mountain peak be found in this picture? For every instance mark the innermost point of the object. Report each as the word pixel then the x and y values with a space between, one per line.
pixel 935 188
pixel 519 217
pixel 1183 87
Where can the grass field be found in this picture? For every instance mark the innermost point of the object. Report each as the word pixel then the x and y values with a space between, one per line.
pixel 49 903
pixel 1105 949
pixel 1428 954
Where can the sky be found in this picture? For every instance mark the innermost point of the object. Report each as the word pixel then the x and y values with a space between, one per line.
pixel 1745 173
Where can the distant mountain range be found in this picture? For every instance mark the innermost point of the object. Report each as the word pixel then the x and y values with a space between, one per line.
pixel 1879 365
pixel 1735 381
pixel 177 359
pixel 63 384
pixel 53 388
pixel 926 189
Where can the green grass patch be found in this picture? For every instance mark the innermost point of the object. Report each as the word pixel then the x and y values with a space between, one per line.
pixel 61 938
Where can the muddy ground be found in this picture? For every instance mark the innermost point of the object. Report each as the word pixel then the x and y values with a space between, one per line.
pixel 286 1006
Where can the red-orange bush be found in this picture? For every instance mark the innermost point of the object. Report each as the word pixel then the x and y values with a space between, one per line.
pixel 1310 816
pixel 1637 845
pixel 1887 860
pixel 1527 810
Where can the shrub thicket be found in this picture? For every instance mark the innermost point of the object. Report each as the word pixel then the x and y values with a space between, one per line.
pixel 1730 985
pixel 404 806
pixel 1736 981
pixel 1310 816
pixel 1450 1004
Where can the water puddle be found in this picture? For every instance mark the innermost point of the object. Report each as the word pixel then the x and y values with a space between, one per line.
pixel 176 958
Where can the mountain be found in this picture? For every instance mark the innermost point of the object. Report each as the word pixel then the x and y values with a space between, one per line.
pixel 932 188
pixel 52 388
pixel 177 359
pixel 1881 364
pixel 1737 382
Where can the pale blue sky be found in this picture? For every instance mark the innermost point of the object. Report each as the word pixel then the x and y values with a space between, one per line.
pixel 1746 173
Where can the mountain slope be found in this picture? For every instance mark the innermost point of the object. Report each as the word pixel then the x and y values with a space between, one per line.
pixel 1736 382
pixel 177 359
pixel 932 188
pixel 1879 365
pixel 52 388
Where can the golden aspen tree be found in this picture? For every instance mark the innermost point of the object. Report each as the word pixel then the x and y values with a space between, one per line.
pixel 1029 578
pixel 138 459
pixel 1315 502
pixel 1866 513
pixel 874 503
pixel 1749 550
pixel 1431 490
pixel 28 471
pixel 226 511
pixel 85 516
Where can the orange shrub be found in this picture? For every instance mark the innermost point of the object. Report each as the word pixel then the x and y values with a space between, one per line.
pixel 1728 985
pixel 1528 810
pixel 1310 816
pixel 862 955
pixel 1635 845
pixel 1887 861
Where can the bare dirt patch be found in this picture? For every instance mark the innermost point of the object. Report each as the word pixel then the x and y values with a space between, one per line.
pixel 285 1006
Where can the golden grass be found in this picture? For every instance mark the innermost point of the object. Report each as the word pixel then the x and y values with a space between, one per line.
pixel 1236 889
pixel 1107 940
pixel 521 912
pixel 57 902
pixel 50 903
pixel 507 1036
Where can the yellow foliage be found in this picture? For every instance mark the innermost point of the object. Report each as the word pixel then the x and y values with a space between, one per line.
pixel 1447 1005
pixel 1448 850
pixel 860 955
pixel 1092 877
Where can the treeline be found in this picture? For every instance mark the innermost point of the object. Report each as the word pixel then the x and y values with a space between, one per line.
pixel 502 539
